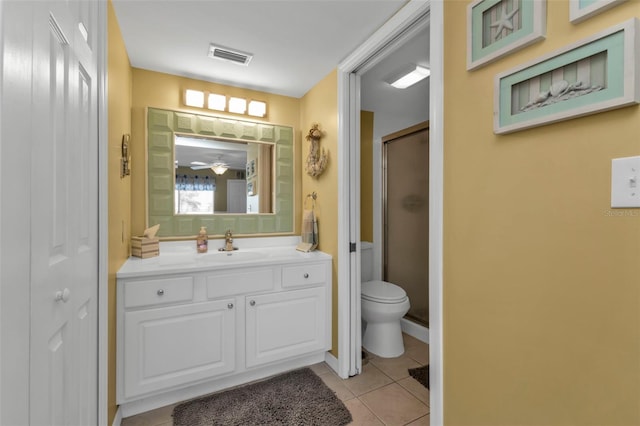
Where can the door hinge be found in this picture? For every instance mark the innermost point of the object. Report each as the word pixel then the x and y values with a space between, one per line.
pixel 352 247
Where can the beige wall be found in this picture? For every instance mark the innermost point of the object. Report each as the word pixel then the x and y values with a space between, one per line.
pixel 320 105
pixel 119 123
pixel 366 175
pixel 541 282
pixel 152 89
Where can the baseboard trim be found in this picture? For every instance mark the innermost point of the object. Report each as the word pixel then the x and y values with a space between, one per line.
pixel 415 330
pixel 332 362
pixel 117 420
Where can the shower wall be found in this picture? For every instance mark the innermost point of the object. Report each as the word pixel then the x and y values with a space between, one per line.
pixel 406 217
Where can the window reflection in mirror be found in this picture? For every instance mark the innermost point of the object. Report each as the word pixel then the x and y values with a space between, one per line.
pixel 215 176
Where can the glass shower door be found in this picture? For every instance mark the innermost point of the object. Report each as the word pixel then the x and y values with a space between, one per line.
pixel 406 219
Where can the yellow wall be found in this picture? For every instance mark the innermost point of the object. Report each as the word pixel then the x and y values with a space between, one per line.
pixel 366 175
pixel 320 105
pixel 541 281
pixel 119 123
pixel 152 89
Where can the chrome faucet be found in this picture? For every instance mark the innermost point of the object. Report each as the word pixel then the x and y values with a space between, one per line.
pixel 228 241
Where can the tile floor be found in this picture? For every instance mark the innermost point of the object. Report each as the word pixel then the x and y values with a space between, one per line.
pixel 384 394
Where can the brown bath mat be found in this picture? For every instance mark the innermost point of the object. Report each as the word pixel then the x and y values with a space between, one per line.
pixel 421 374
pixel 295 398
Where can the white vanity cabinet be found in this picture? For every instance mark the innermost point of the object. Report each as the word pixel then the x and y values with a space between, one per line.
pixel 188 331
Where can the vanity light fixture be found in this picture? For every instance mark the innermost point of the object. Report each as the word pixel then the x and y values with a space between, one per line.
pixel 407 79
pixel 194 98
pixel 257 108
pixel 217 102
pixel 237 105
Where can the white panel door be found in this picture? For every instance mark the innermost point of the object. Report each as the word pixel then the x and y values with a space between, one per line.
pixel 236 196
pixel 64 215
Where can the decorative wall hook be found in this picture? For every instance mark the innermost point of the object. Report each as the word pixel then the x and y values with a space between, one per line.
pixel 316 160
pixel 313 197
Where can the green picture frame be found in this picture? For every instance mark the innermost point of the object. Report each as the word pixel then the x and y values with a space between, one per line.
pixel 596 74
pixel 496 28
pixel 579 10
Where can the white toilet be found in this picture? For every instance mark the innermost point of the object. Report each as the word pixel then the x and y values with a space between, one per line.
pixel 383 305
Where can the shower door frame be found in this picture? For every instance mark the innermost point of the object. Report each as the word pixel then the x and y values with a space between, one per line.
pixel 417 128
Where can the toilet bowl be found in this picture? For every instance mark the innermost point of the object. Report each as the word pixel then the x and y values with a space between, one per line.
pixel 383 304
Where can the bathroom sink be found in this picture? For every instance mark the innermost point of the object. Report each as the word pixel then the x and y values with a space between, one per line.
pixel 230 256
pixel 176 260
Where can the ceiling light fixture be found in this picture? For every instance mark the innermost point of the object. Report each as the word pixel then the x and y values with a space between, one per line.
pixel 219 168
pixel 417 74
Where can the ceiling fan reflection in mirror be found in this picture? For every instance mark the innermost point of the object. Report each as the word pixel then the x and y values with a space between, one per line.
pixel 219 167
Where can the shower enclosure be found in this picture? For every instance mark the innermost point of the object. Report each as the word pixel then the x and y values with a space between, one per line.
pixel 406 216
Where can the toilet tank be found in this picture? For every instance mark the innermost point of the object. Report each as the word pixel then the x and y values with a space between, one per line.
pixel 366 261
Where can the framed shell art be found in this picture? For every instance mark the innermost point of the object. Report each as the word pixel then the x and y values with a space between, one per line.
pixel 596 74
pixel 496 28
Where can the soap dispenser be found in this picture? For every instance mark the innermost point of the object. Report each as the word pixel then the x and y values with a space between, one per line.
pixel 202 240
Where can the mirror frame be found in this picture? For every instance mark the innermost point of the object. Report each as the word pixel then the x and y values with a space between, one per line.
pixel 162 125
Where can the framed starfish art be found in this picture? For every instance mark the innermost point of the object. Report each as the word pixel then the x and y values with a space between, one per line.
pixel 496 28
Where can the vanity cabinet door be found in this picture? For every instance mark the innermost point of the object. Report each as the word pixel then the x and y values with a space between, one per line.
pixel 285 324
pixel 176 345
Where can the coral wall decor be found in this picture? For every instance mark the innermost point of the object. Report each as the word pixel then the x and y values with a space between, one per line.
pixel 317 159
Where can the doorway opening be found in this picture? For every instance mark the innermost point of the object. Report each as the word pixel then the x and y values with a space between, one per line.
pixel 414 15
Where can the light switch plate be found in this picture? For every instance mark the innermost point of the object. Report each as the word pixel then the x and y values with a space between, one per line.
pixel 625 182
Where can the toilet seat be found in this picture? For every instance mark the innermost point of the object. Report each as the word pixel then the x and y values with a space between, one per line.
pixel 382 292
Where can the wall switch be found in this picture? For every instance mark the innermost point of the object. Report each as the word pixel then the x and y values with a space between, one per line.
pixel 625 182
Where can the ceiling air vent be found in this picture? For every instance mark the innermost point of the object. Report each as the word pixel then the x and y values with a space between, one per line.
pixel 235 56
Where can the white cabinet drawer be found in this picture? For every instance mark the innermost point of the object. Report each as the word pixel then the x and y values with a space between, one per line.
pixel 158 292
pixel 296 276
pixel 223 284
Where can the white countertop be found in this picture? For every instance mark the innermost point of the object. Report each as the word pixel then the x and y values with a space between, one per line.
pixel 182 256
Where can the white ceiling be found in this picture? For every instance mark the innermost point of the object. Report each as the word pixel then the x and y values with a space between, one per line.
pixel 397 109
pixel 295 43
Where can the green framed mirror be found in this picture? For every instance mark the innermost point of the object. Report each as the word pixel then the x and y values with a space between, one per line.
pixel 164 126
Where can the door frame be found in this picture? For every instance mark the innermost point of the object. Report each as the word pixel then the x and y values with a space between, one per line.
pixel 388 36
pixel 103 217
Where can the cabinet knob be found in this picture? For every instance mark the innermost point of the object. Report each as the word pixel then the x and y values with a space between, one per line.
pixel 252 303
pixel 230 306
pixel 63 295
pixel 306 275
pixel 160 292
